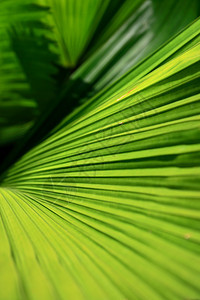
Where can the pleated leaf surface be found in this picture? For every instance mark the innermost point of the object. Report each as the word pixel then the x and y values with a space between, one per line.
pixel 108 206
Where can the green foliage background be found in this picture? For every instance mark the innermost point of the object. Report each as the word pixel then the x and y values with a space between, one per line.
pixel 99 114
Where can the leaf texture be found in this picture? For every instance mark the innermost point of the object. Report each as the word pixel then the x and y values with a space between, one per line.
pixel 108 206
pixel 74 23
pixel 24 56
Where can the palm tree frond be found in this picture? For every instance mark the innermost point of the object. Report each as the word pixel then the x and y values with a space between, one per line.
pixel 107 207
pixel 22 60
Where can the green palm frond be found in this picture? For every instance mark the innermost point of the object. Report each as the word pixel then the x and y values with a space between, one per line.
pixel 91 42
pixel 134 32
pixel 37 62
pixel 183 41
pixel 120 43
pixel 26 65
pixel 74 23
pixel 107 207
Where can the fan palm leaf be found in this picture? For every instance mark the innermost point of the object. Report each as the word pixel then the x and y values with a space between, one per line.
pixel 107 206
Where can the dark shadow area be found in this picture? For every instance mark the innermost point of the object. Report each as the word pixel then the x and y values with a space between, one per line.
pixel 59 108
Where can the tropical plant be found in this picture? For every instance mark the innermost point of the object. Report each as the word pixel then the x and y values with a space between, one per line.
pixel 99 193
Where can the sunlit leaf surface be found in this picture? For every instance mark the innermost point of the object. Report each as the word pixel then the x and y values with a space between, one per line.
pixel 108 206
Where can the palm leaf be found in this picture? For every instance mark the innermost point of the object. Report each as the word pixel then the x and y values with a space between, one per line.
pixel 107 207
pixel 74 23
pixel 24 54
pixel 138 25
pixel 140 28
pixel 37 62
